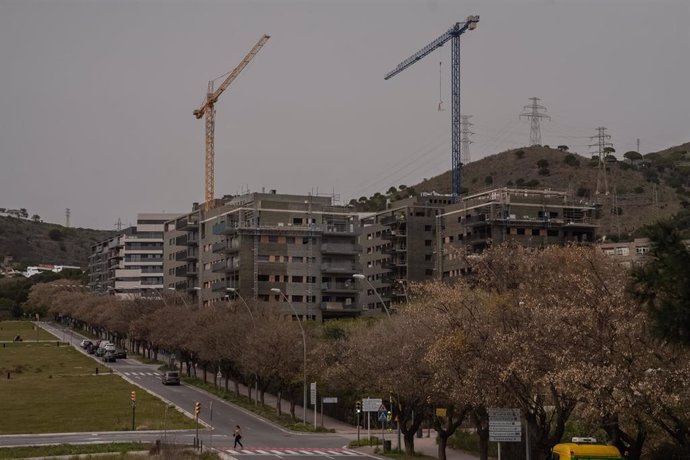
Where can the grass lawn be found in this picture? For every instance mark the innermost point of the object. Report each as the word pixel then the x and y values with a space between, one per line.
pixel 126 451
pixel 56 389
pixel 25 329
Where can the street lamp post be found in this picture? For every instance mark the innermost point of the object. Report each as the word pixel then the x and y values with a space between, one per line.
pixel 304 346
pixel 244 302
pixel 359 276
pixel 196 288
pixel 251 315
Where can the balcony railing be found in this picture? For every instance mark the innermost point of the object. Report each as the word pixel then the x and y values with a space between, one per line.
pixel 334 248
pixel 339 287
pixel 341 268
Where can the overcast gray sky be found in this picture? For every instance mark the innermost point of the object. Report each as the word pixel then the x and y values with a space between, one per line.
pixel 97 97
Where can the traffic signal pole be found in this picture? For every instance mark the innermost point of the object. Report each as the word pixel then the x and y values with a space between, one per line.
pixel 133 398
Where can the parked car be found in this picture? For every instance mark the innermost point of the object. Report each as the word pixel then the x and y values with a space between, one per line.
pixel 171 378
pixel 100 352
pixel 120 353
pixel 91 349
pixel 109 347
pixel 108 357
pixel 85 344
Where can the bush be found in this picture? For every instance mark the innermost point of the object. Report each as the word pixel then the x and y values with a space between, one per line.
pixel 624 166
pixel 543 163
pixel 532 183
pixel 488 180
pixel 520 182
pixel 519 154
pixel 55 234
pixel 544 171
pixel 638 189
pixel 571 160
pixel 583 191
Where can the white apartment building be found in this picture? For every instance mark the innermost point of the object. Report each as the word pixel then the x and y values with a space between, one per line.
pixel 130 264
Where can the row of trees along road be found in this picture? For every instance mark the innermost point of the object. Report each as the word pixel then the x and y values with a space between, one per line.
pixel 555 332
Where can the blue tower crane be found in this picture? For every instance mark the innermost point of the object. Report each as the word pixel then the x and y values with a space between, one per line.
pixel 452 34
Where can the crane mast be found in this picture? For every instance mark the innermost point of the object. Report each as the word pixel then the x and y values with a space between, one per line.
pixel 451 34
pixel 208 109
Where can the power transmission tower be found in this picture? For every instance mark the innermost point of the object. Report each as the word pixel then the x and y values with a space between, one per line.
pixel 118 224
pixel 465 134
pixel 534 116
pixel 67 217
pixel 602 142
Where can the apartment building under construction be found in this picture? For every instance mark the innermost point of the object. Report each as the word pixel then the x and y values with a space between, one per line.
pixel 529 217
pixel 254 244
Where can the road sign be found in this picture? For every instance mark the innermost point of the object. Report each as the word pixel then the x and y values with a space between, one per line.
pixel 313 392
pixel 440 412
pixel 497 438
pixel 505 425
pixel 382 413
pixel 371 404
pixel 331 400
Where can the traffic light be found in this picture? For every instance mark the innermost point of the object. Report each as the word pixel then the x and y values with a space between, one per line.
pixel 358 406
pixel 197 408
pixel 133 396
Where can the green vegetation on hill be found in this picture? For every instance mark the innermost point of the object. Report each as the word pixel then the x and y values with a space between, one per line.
pixel 31 243
pixel 641 188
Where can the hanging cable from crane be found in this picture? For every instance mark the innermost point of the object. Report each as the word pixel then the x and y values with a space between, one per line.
pixel 440 87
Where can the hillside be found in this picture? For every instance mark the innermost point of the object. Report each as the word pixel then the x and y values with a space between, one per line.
pixel 641 191
pixel 30 243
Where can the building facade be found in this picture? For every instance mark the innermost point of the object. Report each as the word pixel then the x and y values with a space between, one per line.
pixel 253 244
pixel 130 264
pixel 532 218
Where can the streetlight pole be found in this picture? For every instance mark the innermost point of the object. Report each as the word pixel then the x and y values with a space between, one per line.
pixel 251 315
pixel 180 295
pixel 244 302
pixel 304 345
pixel 359 276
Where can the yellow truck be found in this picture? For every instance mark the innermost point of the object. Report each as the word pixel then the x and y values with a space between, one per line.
pixel 584 449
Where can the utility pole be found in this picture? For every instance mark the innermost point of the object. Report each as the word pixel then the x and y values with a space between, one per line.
pixel 465 134
pixel 534 116
pixel 67 217
pixel 601 144
pixel 638 145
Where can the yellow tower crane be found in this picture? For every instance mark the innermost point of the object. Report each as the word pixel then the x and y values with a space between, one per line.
pixel 208 109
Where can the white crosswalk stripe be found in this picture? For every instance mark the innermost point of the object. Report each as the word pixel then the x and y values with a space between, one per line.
pixel 286 452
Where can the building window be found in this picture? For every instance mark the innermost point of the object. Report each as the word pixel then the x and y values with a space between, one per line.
pixel 429 272
pixel 427 242
pixel 262 278
pixel 535 231
pixel 520 231
pixel 297 221
pixel 427 257
pixel 272 238
pixel 427 228
pixel 297 259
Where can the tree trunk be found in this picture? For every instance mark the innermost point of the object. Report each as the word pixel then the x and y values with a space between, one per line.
pixel 481 423
pixel 237 387
pixel 442 440
pixel 279 404
pixel 292 409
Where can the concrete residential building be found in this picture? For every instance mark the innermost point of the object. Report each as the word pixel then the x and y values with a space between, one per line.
pixel 130 264
pixel 398 246
pixel 532 218
pixel 301 244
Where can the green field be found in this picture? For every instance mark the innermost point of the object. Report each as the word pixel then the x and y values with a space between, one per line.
pixel 26 329
pixel 56 389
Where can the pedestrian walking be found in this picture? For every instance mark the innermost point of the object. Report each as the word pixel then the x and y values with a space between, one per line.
pixel 238 436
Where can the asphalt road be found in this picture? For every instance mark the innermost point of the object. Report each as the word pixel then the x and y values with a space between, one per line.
pixel 259 437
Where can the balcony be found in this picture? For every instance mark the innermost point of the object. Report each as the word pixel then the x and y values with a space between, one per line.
pixel 224 228
pixel 224 267
pixel 341 268
pixel 187 223
pixel 181 271
pixel 225 247
pixel 339 307
pixel 337 248
pixel 187 255
pixel 339 287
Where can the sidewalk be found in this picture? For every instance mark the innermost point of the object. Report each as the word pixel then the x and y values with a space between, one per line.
pixel 424 445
